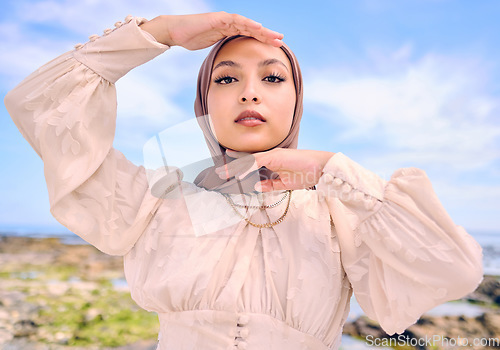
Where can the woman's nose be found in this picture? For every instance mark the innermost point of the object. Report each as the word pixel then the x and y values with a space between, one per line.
pixel 250 93
pixel 254 99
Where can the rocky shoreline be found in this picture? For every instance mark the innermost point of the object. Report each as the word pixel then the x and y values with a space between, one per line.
pixel 59 296
pixel 443 331
pixel 55 296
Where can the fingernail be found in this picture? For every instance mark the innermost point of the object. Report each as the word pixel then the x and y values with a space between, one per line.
pixel 243 175
pixel 258 187
pixel 220 172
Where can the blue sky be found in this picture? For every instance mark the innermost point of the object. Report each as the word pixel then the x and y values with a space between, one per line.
pixel 389 83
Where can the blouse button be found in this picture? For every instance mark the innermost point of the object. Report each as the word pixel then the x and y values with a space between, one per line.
pixel 358 196
pixel 78 46
pixel 369 202
pixel 241 345
pixel 128 18
pixel 328 178
pixel 243 320
pixel 243 332
pixel 107 31
pixel 338 182
pixel 118 24
pixel 346 188
pixel 93 37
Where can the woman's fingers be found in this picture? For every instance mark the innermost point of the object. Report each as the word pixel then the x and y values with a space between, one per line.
pixel 238 168
pixel 199 31
pixel 244 164
pixel 270 185
pixel 240 20
pixel 237 154
pixel 233 24
pixel 296 169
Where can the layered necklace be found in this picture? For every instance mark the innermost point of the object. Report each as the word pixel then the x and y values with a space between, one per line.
pixel 288 194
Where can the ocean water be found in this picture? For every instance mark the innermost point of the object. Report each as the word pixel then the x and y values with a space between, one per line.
pixel 66 236
pixel 490 242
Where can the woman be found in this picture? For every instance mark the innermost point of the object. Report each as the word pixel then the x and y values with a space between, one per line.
pixel 225 266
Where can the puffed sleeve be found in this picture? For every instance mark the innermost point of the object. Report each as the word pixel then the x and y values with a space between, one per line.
pixel 402 253
pixel 66 110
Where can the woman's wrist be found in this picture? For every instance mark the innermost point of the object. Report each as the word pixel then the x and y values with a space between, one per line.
pixel 324 157
pixel 158 28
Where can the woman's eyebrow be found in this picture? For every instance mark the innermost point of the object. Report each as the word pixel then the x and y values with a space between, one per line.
pixel 272 61
pixel 267 62
pixel 227 63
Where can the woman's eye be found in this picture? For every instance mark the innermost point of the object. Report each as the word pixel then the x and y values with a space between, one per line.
pixel 274 78
pixel 225 80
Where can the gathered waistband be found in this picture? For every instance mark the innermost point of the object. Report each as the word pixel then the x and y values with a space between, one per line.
pixel 222 330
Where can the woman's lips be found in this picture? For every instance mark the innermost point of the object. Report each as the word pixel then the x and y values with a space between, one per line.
pixel 250 118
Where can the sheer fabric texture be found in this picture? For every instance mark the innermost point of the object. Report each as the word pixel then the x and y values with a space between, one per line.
pixel 237 286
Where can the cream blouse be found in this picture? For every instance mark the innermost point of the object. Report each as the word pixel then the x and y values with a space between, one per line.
pixel 235 286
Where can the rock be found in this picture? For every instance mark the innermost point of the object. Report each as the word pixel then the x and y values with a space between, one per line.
pixel 488 291
pixel 491 322
pixel 455 328
pixel 363 327
pixel 440 329
pixel 4 315
pixel 93 314
pixel 11 298
pixel 62 337
pixel 24 328
pixel 425 321
pixel 58 288
pixel 141 345
pixel 5 336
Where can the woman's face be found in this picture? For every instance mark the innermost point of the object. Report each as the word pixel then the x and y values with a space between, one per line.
pixel 251 98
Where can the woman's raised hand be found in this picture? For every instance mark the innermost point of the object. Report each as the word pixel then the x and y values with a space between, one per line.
pixel 199 31
pixel 297 169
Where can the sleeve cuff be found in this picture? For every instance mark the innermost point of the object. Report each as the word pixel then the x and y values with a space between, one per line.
pixel 120 50
pixel 351 183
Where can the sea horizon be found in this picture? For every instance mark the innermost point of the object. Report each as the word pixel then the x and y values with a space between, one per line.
pixel 61 231
pixel 488 239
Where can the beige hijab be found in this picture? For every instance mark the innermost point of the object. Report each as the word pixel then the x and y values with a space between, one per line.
pixel 208 179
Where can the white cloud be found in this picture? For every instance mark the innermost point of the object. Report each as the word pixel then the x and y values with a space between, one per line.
pixel 84 15
pixel 21 54
pixel 475 205
pixel 36 32
pixel 150 97
pixel 434 110
pixel 439 113
pixel 157 95
pixel 144 99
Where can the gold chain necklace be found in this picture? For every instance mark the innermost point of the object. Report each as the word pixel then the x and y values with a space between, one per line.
pixel 267 224
pixel 262 206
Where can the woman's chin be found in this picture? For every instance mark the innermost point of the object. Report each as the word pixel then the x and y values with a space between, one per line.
pixel 249 147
